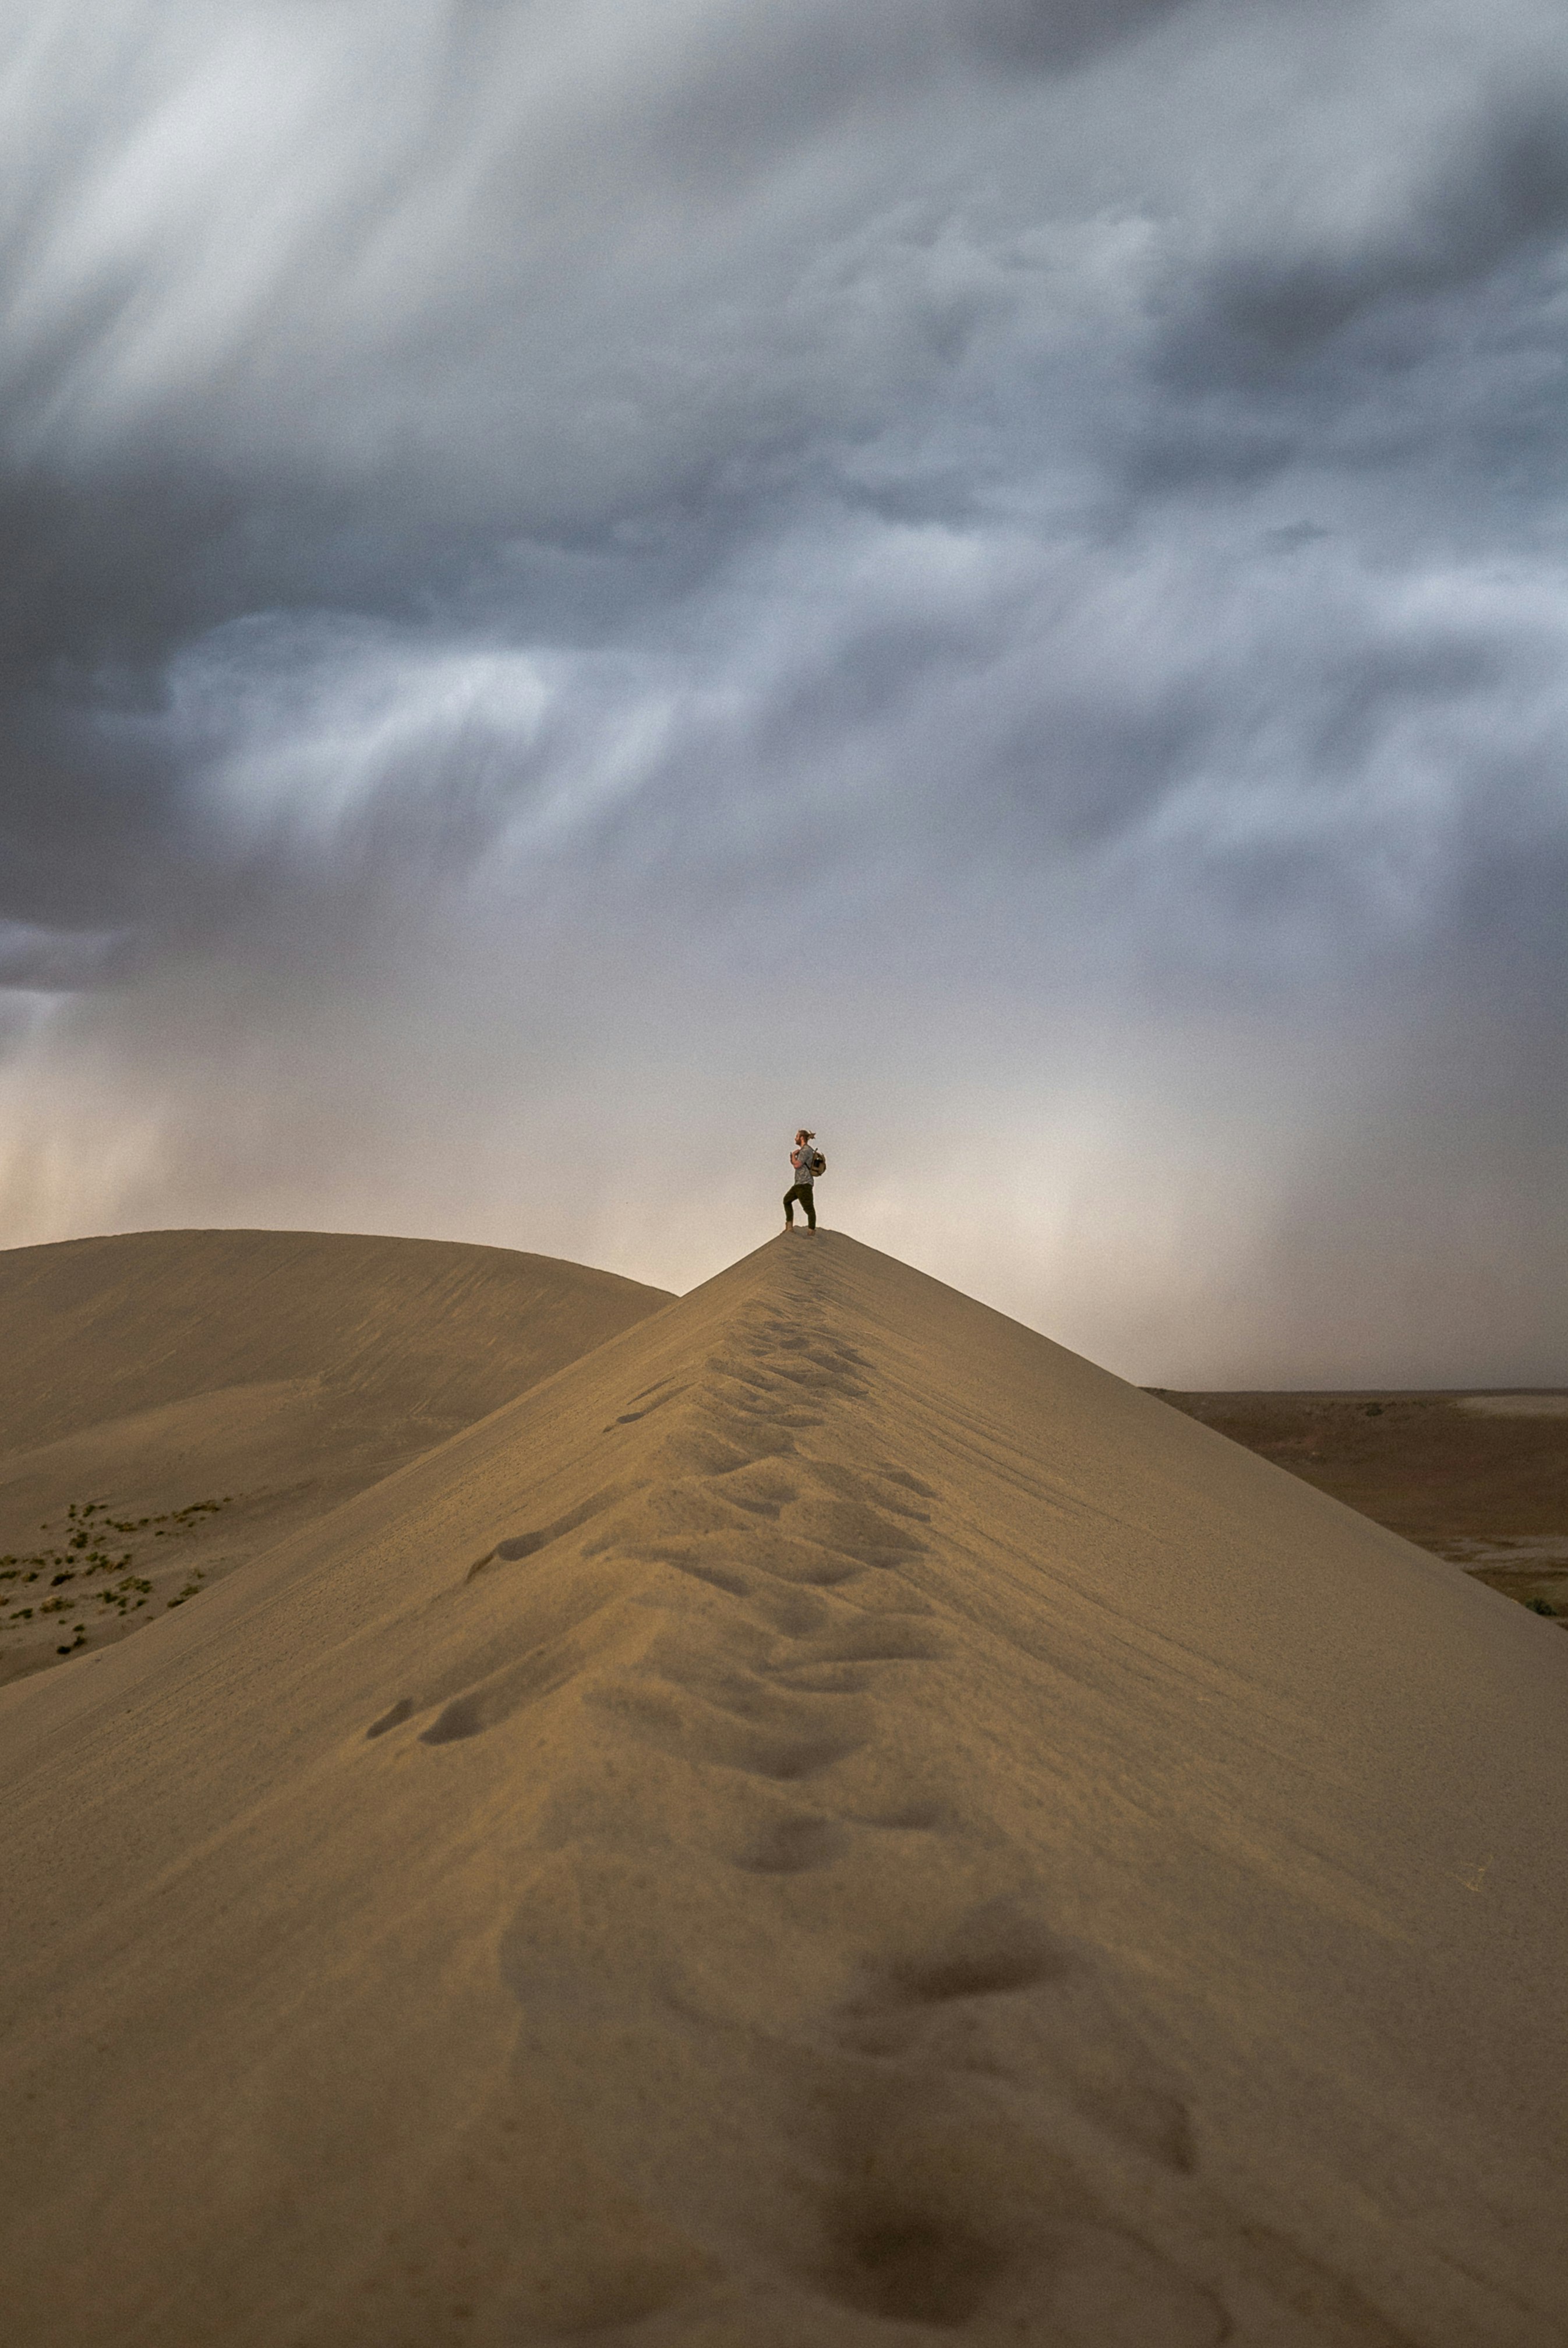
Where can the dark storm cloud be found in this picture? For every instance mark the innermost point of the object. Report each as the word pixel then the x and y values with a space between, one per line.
pixel 1494 194
pixel 1037 35
pixel 516 515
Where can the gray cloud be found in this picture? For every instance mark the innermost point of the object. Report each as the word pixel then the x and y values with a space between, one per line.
pixel 995 569
pixel 1041 34
pixel 39 960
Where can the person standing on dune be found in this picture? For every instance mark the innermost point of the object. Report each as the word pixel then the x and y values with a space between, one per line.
pixel 807 1163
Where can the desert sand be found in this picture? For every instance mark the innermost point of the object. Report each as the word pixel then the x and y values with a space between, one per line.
pixel 203 1393
pixel 827 1820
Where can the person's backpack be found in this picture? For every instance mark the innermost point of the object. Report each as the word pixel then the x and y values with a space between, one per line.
pixel 818 1162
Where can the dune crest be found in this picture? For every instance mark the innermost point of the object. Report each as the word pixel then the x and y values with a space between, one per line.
pixel 829 1820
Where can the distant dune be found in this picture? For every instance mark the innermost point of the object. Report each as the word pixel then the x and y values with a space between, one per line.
pixel 828 1823
pixel 206 1392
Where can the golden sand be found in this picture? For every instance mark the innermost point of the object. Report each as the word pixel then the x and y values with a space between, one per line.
pixel 828 1823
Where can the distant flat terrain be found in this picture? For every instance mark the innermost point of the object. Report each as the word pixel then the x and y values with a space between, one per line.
pixel 172 1403
pixel 1480 1478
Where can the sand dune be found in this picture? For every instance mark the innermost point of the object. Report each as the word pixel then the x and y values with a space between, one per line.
pixel 204 1393
pixel 829 1820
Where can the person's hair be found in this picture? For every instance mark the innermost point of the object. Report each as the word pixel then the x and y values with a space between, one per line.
pixel 802 1134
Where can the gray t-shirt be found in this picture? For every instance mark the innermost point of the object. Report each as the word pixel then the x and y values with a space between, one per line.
pixel 801 1160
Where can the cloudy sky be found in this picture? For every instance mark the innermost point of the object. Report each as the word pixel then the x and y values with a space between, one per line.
pixel 588 580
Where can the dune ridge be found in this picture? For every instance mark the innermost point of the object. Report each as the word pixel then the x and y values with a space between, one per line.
pixel 829 1819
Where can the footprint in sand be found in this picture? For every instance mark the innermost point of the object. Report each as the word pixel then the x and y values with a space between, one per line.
pixel 957 2205
pixel 692 1728
pixel 794 1845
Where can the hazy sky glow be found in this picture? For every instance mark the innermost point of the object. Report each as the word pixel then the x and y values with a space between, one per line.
pixel 589 578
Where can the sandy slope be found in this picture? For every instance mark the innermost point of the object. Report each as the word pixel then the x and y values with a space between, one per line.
pixel 829 1821
pixel 271 1372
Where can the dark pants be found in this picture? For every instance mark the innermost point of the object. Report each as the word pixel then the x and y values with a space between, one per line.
pixel 801 1191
